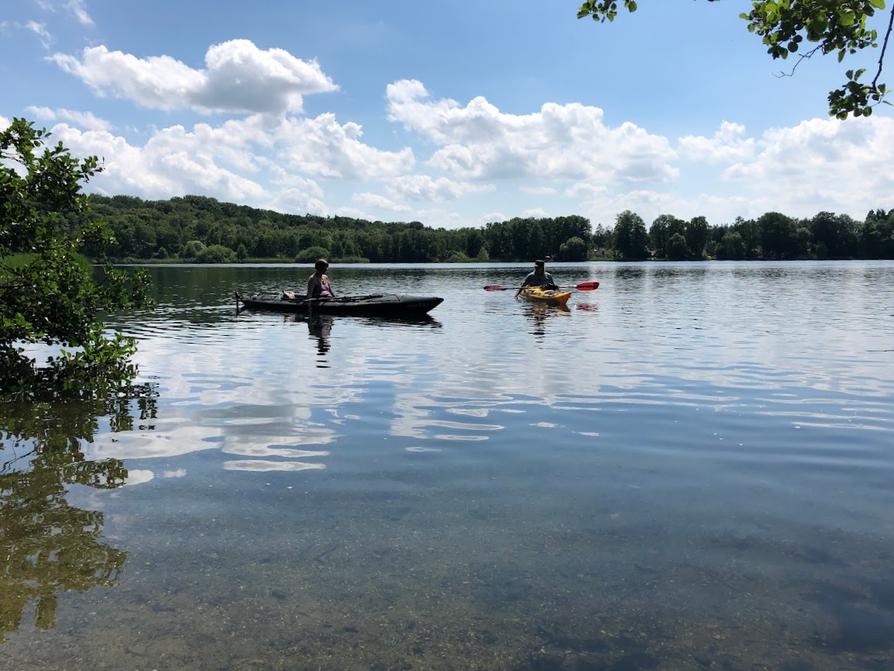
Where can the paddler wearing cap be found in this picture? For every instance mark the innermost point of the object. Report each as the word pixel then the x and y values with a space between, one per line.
pixel 538 278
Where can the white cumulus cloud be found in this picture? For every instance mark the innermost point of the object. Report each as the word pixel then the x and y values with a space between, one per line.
pixel 491 217
pixel 427 188
pixel 538 190
pixel 238 77
pixel 325 147
pixel 821 164
pixel 478 141
pixel 535 212
pixel 729 143
pixel 259 160
pixel 815 165
pixel 300 199
pixel 379 201
pixel 86 120
pixel 173 162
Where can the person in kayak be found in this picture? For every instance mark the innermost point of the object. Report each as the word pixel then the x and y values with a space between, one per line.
pixel 318 284
pixel 538 278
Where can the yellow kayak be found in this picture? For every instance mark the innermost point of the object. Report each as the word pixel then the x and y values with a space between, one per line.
pixel 548 296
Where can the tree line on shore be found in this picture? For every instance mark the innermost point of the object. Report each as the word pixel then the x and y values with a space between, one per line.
pixel 198 228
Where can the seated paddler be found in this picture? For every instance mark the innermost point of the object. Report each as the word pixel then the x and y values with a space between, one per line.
pixel 318 285
pixel 538 278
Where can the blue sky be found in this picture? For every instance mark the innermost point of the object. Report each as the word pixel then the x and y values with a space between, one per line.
pixel 452 113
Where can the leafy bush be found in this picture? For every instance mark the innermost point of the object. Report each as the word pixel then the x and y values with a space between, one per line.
pixel 192 249
pixel 457 256
pixel 677 250
pixel 573 249
pixel 731 246
pixel 311 254
pixel 349 259
pixel 216 254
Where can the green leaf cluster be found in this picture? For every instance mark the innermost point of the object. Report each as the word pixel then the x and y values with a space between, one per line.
pixel 604 10
pixel 50 294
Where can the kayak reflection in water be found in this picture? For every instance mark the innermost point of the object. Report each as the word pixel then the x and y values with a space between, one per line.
pixel 320 327
pixel 538 278
pixel 318 284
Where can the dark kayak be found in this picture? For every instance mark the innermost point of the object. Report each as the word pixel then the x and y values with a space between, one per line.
pixel 374 305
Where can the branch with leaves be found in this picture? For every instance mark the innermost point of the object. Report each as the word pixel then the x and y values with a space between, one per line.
pixel 49 291
pixel 839 27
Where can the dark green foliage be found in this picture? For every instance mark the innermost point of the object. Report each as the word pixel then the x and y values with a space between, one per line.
pixel 833 26
pixel 602 237
pixel 49 293
pixel 662 230
pixel 696 234
pixel 676 248
pixel 573 249
pixel 779 237
pixel 311 254
pixel 216 254
pixel 192 223
pixel 732 247
pixel 877 235
pixel 835 236
pixel 630 238
pixel 457 257
pixel 192 249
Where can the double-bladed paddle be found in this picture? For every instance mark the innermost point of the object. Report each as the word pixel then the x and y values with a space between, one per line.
pixel 583 286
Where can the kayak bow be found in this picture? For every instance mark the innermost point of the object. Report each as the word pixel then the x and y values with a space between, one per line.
pixel 548 296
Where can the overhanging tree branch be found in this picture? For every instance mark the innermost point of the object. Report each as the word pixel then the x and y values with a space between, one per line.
pixel 881 58
pixel 801 57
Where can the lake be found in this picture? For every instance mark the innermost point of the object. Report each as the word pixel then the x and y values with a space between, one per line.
pixel 692 468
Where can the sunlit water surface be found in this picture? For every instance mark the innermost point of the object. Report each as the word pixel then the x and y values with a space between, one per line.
pixel 693 468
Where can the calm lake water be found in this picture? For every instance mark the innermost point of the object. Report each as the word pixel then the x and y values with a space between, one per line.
pixel 693 468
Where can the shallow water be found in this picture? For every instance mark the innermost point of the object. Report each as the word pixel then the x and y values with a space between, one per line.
pixel 690 468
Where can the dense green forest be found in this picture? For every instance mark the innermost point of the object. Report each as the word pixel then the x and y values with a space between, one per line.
pixel 196 228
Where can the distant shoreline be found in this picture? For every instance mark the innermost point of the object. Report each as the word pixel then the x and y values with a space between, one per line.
pixel 203 230
pixel 273 261
pixel 287 262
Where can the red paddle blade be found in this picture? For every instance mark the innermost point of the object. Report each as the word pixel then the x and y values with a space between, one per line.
pixel 587 286
pixel 496 287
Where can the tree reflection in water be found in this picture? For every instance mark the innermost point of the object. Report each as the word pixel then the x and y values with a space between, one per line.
pixel 46 545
